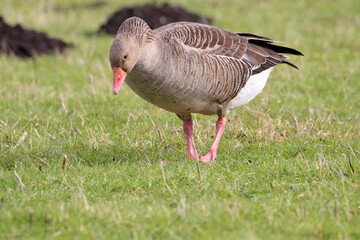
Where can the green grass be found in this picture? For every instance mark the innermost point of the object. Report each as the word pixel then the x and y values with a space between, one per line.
pixel 282 169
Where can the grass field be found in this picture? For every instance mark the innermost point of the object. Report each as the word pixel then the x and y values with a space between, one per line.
pixel 287 166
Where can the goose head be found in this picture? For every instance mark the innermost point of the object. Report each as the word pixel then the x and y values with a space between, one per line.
pixel 125 50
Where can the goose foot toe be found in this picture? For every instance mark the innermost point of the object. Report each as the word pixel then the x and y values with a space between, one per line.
pixel 209 157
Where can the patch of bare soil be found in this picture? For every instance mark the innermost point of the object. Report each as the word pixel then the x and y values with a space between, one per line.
pixel 27 43
pixel 155 16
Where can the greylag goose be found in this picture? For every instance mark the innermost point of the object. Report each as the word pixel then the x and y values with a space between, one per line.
pixel 189 68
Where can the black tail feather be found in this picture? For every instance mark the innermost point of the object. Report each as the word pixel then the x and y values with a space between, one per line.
pixel 276 48
pixel 256 37
pixel 267 43
pixel 290 64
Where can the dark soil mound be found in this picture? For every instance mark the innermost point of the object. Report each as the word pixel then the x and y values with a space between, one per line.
pixel 155 16
pixel 27 43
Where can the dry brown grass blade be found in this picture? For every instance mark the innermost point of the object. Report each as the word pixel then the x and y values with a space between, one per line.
pixel 272 186
pixel 164 178
pixel 14 235
pixel 31 219
pixel 353 151
pixel 19 179
pixel 76 135
pixel 295 122
pixel 351 166
pixel 324 206
pixel 21 139
pixel 336 210
pixel 198 169
pixel 63 164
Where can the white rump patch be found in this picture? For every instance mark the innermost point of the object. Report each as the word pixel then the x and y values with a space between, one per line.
pixel 253 87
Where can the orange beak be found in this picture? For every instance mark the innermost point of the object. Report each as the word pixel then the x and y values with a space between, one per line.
pixel 119 77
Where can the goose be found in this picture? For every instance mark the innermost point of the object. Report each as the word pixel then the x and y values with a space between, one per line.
pixel 188 68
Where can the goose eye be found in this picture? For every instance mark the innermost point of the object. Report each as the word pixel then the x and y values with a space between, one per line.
pixel 125 57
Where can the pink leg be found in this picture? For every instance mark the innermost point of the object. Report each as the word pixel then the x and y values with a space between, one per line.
pixel 188 129
pixel 211 155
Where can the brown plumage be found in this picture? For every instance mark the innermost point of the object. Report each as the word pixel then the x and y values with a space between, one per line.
pixel 193 68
